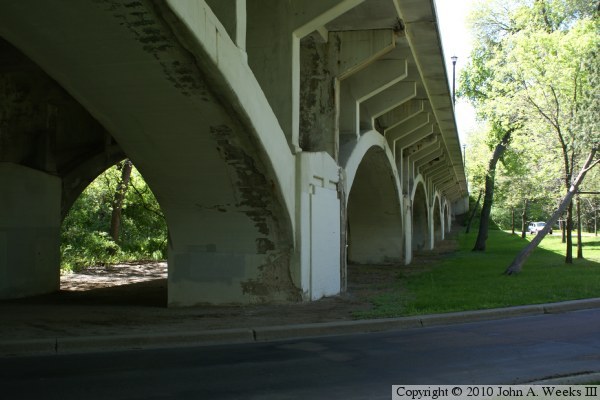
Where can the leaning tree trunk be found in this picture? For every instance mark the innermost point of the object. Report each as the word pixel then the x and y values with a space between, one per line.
pixel 115 221
pixel 473 212
pixel 517 265
pixel 484 222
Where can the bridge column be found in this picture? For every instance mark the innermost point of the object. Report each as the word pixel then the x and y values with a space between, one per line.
pixel 274 30
pixel 29 231
pixel 319 225
pixel 327 59
pixel 408 229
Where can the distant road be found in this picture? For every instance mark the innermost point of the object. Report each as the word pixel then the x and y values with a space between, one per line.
pixel 363 366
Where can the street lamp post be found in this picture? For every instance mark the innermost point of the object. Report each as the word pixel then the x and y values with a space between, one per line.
pixel 454 58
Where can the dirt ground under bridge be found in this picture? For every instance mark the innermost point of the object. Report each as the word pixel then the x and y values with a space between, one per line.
pixel 133 298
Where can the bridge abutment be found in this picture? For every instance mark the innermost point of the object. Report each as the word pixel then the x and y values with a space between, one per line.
pixel 29 231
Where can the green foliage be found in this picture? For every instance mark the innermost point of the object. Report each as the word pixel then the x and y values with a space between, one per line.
pixel 84 236
pixel 468 280
pixel 535 67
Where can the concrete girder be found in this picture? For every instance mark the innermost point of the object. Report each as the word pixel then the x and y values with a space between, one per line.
pixel 400 133
pixel 426 159
pixel 439 174
pixel 440 178
pixel 435 164
pixel 273 46
pixel 363 85
pixel 431 171
pixel 232 14
pixel 422 148
pixel 357 49
pixel 412 138
pixel 444 186
pixel 455 191
pixel 389 99
pixel 400 114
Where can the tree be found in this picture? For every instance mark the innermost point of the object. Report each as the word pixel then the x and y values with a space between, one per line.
pixel 535 62
pixel 517 264
pixel 85 233
pixel 117 206
pixel 488 199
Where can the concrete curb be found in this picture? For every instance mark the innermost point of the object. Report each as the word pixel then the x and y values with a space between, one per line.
pixel 70 345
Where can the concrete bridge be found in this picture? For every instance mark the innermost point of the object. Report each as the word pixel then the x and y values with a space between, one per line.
pixel 282 139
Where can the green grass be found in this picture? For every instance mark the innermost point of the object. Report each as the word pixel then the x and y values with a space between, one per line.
pixel 468 280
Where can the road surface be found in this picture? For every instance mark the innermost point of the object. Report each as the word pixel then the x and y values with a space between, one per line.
pixel 363 366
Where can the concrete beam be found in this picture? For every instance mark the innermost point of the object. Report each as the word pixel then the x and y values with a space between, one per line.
pixel 399 134
pixel 425 160
pixel 390 98
pixel 424 149
pixel 440 177
pixel 363 85
pixel 435 165
pixel 400 114
pixel 439 174
pixel 357 49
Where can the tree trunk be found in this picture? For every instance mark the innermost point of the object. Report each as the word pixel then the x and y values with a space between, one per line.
pixel 115 221
pixel 517 264
pixel 484 222
pixel 473 212
pixel 524 219
pixel 569 231
pixel 579 244
pixel 512 220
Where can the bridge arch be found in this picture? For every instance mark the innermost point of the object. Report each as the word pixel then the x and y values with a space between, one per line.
pixel 374 217
pixel 420 216
pixel 199 138
pixel 437 219
pixel 447 216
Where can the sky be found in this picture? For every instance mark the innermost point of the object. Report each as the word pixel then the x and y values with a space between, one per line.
pixel 456 40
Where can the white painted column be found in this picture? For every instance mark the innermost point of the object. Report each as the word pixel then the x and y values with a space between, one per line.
pixel 319 225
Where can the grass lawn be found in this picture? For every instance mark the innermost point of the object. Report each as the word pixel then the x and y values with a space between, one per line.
pixel 467 280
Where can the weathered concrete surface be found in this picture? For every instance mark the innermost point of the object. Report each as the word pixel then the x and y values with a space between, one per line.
pixel 254 123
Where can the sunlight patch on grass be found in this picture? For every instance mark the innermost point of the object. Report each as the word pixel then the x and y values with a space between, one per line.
pixel 468 280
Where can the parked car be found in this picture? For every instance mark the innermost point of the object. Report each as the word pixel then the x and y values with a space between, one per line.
pixel 535 227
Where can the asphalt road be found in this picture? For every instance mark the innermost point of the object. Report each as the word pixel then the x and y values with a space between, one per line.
pixel 362 366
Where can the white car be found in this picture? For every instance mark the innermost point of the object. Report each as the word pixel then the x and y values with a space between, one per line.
pixel 535 227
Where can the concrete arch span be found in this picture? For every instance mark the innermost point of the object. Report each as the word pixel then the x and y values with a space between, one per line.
pixel 420 217
pixel 374 217
pixel 438 226
pixel 447 216
pixel 213 175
